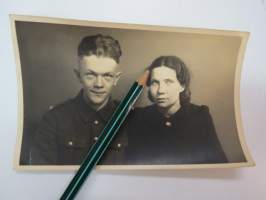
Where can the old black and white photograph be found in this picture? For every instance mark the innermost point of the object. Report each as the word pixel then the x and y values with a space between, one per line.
pixel 73 74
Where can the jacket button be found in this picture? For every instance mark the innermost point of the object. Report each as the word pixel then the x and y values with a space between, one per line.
pixel 95 138
pixel 169 124
pixel 96 122
pixel 70 143
pixel 119 145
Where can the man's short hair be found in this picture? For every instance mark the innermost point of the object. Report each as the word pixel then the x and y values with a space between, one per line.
pixel 100 45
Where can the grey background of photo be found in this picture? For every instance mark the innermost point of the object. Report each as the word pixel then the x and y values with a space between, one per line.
pixel 48 55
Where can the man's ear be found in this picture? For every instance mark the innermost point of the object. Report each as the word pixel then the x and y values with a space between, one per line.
pixel 117 77
pixel 77 73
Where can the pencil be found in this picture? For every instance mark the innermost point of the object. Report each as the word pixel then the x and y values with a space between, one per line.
pixel 105 138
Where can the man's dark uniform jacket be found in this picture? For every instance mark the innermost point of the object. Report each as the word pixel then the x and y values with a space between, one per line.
pixel 68 131
pixel 187 137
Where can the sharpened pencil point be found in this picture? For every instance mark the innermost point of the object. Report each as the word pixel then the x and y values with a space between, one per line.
pixel 143 79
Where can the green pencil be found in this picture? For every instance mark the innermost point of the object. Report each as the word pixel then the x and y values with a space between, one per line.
pixel 105 138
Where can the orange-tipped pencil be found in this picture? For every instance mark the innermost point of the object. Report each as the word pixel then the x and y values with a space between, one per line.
pixel 105 138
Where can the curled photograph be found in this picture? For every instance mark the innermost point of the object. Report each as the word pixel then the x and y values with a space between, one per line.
pixel 72 75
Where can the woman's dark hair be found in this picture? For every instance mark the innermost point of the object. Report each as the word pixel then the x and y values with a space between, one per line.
pixel 182 75
pixel 100 45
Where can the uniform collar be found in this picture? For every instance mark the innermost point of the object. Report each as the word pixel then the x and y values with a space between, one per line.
pixel 87 113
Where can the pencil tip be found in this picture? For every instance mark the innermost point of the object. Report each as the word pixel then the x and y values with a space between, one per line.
pixel 143 79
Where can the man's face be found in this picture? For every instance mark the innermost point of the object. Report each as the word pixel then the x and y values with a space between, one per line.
pixel 165 87
pixel 98 76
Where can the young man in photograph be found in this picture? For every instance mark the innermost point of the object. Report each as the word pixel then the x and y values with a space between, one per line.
pixel 68 131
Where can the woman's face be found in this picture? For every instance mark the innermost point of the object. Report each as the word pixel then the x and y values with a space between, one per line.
pixel 165 88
